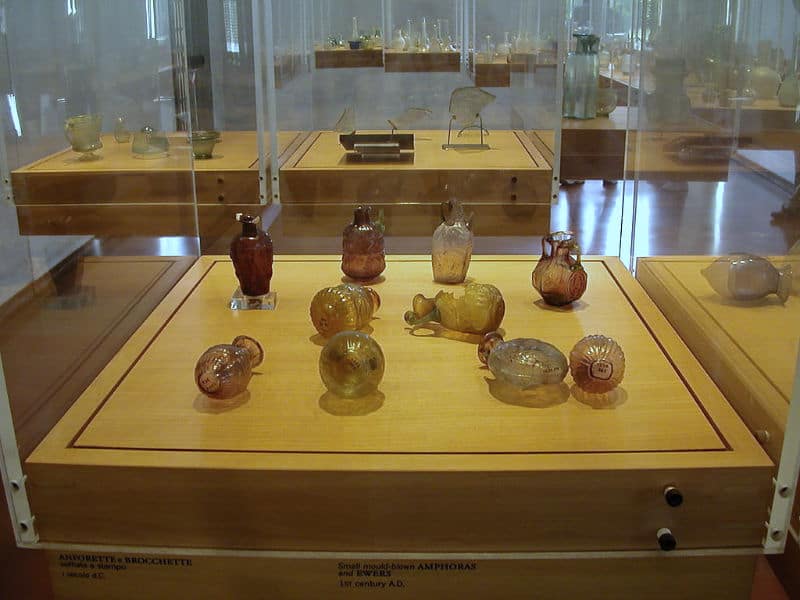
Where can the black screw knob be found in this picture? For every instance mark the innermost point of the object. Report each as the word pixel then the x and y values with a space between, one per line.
pixel 666 541
pixel 673 496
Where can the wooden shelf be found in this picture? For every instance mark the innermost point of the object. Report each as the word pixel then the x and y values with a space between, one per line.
pixel 592 148
pixel 344 58
pixel 512 171
pixel 397 61
pixel 122 195
pixel 143 458
pixel 496 73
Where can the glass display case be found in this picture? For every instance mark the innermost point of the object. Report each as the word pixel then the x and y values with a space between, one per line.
pixel 435 297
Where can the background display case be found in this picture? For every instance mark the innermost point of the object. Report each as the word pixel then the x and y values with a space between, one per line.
pixel 444 482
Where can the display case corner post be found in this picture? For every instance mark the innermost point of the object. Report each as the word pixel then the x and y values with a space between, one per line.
pixel 266 101
pixel 779 524
pixel 13 477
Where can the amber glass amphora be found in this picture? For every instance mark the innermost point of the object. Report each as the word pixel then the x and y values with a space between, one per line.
pixel 363 255
pixel 558 277
pixel 251 253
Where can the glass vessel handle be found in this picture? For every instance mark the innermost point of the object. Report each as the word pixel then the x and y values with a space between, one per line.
pixel 577 250
pixel 68 131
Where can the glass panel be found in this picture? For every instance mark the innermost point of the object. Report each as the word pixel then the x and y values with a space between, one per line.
pixel 390 69
pixel 103 220
pixel 712 190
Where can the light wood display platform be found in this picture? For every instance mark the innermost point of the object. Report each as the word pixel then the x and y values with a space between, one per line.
pixel 512 171
pixel 119 194
pixel 398 61
pixel 749 350
pixel 344 58
pixel 441 459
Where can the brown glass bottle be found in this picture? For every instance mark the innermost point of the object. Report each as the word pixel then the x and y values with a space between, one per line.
pixel 362 247
pixel 251 253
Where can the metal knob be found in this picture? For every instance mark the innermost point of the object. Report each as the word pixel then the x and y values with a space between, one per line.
pixel 673 496
pixel 666 541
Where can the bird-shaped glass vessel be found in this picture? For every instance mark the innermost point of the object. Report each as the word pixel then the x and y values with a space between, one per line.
pixel 748 277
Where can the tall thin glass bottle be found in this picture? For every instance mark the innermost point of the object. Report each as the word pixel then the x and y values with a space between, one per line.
pixel 581 75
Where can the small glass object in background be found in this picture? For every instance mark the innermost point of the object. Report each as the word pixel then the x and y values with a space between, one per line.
pixel 355 36
pixel 251 252
pixel 606 101
pixel 223 371
pixel 747 277
pixel 344 307
pixel 149 144
pixel 452 244
pixel 83 134
pixel 480 310
pixel 597 364
pixel 203 143
pixel 581 74
pixel 122 134
pixel 363 256
pixel 423 41
pixel 558 277
pixel 523 362
pixel 351 364
pixel 504 49
pixel 398 41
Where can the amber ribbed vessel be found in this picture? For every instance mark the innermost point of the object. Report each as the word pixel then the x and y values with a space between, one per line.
pixel 597 364
pixel 363 256
pixel 251 253
pixel 344 307
pixel 224 371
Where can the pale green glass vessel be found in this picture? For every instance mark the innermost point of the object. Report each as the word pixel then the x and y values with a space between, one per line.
pixel 351 364
pixel 524 362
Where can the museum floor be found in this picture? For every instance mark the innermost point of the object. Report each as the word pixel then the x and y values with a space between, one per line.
pixel 688 218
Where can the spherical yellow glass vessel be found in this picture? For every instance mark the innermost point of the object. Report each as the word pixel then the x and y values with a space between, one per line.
pixel 351 364
pixel 345 307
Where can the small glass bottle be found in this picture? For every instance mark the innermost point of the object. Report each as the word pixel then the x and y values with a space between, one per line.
pixel 452 245
pixel 122 134
pixel 424 43
pixel 252 253
pixel 363 256
pixel 581 75
pixel 223 371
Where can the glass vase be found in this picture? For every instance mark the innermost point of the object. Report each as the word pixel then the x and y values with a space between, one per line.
pixel 452 245
pixel 581 75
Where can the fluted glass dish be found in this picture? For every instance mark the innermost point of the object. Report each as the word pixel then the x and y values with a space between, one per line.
pixel 523 362
pixel 597 364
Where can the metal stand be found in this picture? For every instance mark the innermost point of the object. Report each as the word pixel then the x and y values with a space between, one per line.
pixel 482 146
